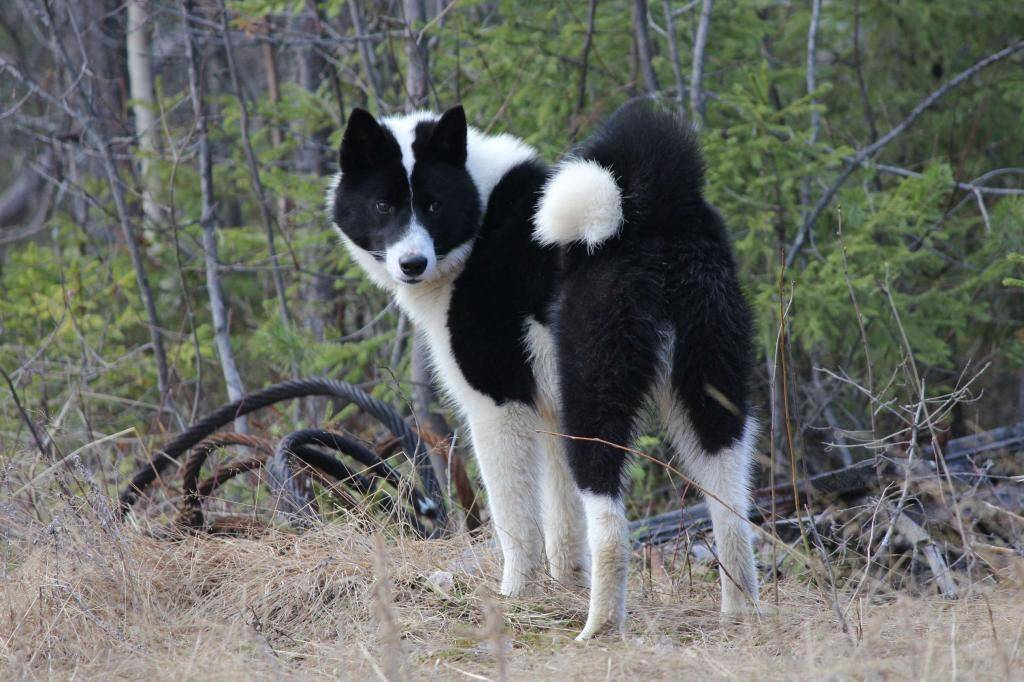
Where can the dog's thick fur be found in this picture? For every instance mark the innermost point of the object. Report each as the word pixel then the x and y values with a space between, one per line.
pixel 562 301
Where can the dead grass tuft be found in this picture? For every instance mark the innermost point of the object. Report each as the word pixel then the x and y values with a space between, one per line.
pixel 81 598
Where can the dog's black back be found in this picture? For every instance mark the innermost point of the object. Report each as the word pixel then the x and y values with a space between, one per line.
pixel 668 277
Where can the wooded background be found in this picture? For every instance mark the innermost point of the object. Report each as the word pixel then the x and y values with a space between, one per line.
pixel 163 245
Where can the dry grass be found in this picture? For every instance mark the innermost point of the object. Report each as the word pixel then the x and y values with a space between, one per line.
pixel 86 598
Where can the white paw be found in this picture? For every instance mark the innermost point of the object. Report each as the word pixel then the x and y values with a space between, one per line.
pixel 738 603
pixel 599 625
pixel 516 580
pixel 513 587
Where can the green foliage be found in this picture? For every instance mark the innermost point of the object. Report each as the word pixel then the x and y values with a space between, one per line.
pixel 517 68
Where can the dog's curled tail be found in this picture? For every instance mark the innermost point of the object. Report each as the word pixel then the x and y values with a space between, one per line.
pixel 581 203
pixel 640 164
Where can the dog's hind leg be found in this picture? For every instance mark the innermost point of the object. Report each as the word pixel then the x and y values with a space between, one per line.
pixel 726 475
pixel 505 443
pixel 724 478
pixel 704 400
pixel 607 347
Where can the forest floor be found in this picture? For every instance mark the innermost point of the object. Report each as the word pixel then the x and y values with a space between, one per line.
pixel 83 596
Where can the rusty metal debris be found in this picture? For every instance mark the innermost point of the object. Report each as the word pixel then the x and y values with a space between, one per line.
pixel 302 457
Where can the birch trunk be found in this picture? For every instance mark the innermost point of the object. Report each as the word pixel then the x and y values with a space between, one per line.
pixel 140 82
pixel 417 81
pixel 218 308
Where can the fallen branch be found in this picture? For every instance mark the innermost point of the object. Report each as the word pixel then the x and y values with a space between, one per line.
pixel 850 481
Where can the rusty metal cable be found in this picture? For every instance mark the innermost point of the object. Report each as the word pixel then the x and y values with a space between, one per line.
pixel 413 445
pixel 298 502
pixel 325 467
pixel 468 498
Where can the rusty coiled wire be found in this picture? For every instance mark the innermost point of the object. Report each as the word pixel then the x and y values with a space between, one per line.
pixel 427 502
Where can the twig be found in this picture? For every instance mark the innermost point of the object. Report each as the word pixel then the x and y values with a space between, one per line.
pixel 972 186
pixel 581 90
pixel 831 575
pixel 24 416
pixel 437 18
pixel 860 314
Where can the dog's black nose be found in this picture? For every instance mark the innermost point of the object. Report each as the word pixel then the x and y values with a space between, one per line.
pixel 413 265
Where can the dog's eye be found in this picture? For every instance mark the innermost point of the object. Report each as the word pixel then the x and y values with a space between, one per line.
pixel 383 207
pixel 434 206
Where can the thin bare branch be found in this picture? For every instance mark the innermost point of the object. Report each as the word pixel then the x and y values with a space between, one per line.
pixel 366 55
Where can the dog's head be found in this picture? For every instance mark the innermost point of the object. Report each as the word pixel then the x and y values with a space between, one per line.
pixel 404 203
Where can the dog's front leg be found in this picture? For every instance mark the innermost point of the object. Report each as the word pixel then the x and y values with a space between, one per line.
pixel 504 439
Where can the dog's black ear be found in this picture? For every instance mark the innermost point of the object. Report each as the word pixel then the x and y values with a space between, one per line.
pixel 363 142
pixel 449 137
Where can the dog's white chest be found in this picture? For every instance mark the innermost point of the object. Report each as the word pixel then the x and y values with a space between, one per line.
pixel 428 309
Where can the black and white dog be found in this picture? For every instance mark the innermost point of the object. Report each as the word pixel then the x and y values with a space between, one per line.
pixel 562 302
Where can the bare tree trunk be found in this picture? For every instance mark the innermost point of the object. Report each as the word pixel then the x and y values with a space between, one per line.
pixel 312 70
pixel 812 58
pixel 673 53
pixel 644 48
pixel 276 135
pixel 140 77
pixel 417 78
pixel 218 309
pixel 254 171
pixel 697 76
pixel 96 131
pixel 366 55
pixel 320 295
pixel 869 113
pixel 1020 394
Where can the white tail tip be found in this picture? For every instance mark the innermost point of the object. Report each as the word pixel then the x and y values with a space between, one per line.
pixel 581 203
